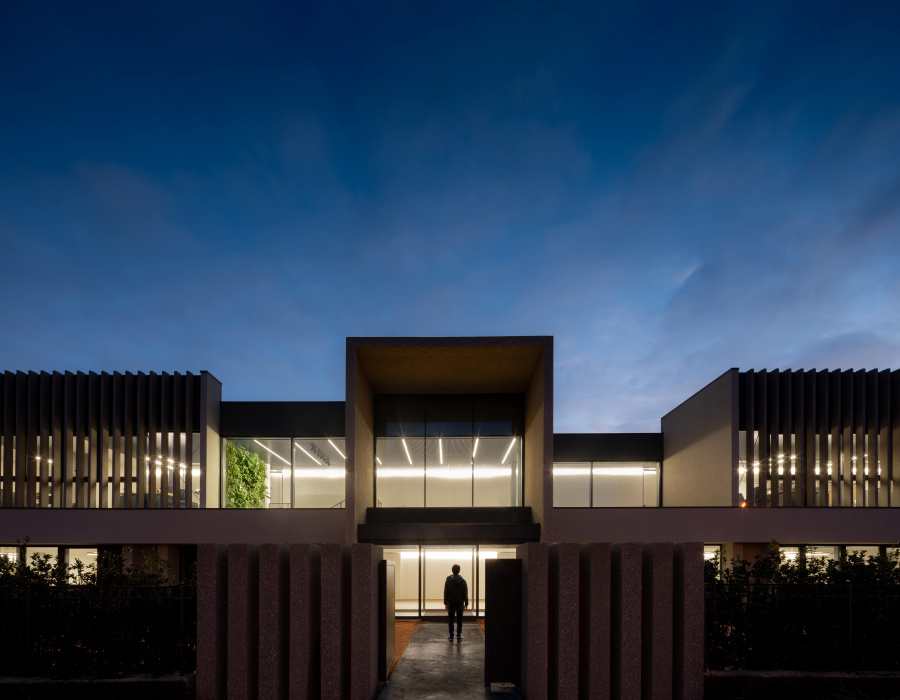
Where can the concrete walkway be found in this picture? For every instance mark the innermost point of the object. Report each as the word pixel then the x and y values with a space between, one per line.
pixel 434 668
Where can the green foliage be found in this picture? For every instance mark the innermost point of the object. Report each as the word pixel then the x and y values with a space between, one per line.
pixel 245 478
pixel 774 567
pixel 110 570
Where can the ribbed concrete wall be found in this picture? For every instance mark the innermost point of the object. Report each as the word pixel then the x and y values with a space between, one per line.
pixel 612 621
pixel 274 621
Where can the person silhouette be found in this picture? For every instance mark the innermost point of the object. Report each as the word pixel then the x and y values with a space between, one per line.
pixel 456 600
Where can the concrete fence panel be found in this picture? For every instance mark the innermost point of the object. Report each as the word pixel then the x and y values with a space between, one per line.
pixel 274 621
pixel 621 621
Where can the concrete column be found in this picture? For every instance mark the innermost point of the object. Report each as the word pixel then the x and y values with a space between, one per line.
pixel 335 588
pixel 212 614
pixel 535 598
pixel 625 669
pixel 688 621
pixel 656 619
pixel 274 614
pixel 364 620
pixel 594 608
pixel 564 621
pixel 305 616
pixel 243 621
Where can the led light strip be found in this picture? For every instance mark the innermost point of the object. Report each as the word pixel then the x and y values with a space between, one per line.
pixel 274 453
pixel 307 454
pixel 508 450
pixel 337 448
pixel 403 440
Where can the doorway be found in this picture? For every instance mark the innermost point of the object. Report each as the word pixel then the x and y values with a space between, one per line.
pixel 422 569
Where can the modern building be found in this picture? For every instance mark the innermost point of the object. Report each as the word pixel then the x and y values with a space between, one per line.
pixel 443 451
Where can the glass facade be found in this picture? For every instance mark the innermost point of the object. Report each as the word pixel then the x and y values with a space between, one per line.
pixel 284 472
pixel 605 484
pixel 420 572
pixel 449 451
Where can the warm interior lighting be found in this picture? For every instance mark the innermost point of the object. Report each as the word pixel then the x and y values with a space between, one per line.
pixel 571 471
pixel 488 472
pixel 618 471
pixel 333 473
pixel 378 460
pixel 336 448
pixel 307 454
pixel 274 453
pixel 475 449
pixel 401 471
pixel 403 440
pixel 508 450
pixel 441 450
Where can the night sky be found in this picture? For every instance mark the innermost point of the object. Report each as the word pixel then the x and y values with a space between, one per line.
pixel 669 189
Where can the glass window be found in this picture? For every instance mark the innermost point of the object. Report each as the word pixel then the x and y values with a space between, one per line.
pixel 52 552
pixel 618 484
pixel 319 472
pixel 406 579
pixel 400 472
pixel 497 471
pixel 12 553
pixel 572 485
pixel 448 474
pixel 438 562
pixel 86 556
pixel 448 450
pixel 257 473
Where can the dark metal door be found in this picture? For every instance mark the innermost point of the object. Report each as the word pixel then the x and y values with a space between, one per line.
pixel 386 571
pixel 502 621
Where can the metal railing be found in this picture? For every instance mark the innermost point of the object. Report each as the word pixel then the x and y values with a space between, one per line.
pixel 72 631
pixel 815 627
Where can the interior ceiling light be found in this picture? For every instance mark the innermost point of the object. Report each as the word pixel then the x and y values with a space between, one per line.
pixel 307 454
pixel 475 449
pixel 508 450
pixel 378 460
pixel 441 450
pixel 337 448
pixel 403 440
pixel 274 453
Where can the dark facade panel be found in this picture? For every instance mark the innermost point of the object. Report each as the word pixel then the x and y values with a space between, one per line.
pixel 824 438
pixel 282 418
pixel 608 447
pixel 80 440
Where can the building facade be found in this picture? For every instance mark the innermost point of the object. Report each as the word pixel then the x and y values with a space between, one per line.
pixel 443 449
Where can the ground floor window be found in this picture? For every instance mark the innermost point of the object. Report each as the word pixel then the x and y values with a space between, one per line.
pixel 420 572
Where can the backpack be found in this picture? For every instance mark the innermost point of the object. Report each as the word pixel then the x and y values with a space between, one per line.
pixel 456 586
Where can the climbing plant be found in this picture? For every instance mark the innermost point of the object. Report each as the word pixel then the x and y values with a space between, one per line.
pixel 245 478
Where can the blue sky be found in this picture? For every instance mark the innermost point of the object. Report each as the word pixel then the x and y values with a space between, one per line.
pixel 668 189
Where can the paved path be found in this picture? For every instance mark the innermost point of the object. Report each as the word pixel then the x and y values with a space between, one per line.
pixel 433 668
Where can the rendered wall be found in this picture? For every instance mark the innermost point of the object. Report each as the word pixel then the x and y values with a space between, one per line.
pixel 727 524
pixel 360 444
pixel 210 444
pixel 538 462
pixel 700 447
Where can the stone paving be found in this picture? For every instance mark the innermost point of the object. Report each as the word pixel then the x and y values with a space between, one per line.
pixel 433 668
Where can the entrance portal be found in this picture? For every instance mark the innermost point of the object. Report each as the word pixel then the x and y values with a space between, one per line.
pixel 421 571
